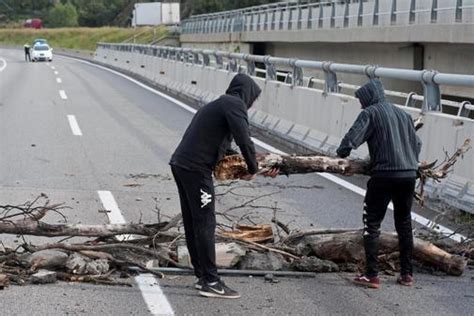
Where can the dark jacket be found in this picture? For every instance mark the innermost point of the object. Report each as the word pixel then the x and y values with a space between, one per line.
pixel 210 133
pixel 389 131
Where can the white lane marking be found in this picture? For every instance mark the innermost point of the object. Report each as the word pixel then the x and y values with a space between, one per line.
pixel 56 73
pixel 416 217
pixel 52 67
pixel 58 80
pixel 47 64
pixel 76 131
pixel 63 94
pixel 4 62
pixel 152 294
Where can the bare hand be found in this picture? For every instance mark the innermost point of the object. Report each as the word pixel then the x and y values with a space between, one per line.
pixel 248 177
pixel 273 172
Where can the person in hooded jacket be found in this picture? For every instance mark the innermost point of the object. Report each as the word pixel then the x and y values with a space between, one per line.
pixel 394 148
pixel 207 139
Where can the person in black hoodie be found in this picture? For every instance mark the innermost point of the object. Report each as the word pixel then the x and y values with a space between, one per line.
pixel 394 148
pixel 207 139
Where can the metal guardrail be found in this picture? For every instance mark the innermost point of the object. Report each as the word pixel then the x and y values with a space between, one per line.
pixel 308 15
pixel 238 62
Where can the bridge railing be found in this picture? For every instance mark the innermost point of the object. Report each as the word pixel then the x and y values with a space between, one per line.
pixel 270 68
pixel 309 15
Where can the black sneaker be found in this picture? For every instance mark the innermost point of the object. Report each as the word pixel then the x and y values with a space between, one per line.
pixel 218 289
pixel 198 284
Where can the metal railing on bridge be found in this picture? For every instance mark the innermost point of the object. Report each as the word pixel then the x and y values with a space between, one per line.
pixel 267 67
pixel 310 15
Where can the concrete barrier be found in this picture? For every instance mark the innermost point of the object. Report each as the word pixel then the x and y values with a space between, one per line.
pixel 306 117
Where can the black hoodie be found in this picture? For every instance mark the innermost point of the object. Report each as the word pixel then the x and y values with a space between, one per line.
pixel 210 133
pixel 389 131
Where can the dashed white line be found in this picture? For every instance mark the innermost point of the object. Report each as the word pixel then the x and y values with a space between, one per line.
pixel 4 62
pixel 58 80
pixel 63 94
pixel 152 294
pixel 76 131
pixel 416 217
pixel 52 67
pixel 56 73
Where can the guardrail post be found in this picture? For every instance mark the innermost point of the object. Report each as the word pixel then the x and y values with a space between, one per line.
pixel 359 13
pixel 458 10
pixel 434 11
pixel 431 92
pixel 300 17
pixel 346 14
pixel 290 18
pixel 412 14
pixel 463 110
pixel 321 15
pixel 251 26
pixel 330 78
pixel 282 17
pixel 375 17
pixel 271 73
pixel 272 26
pixel 333 14
pixel 219 60
pixel 206 60
pixel 393 13
pixel 259 20
pixel 297 77
pixel 265 19
pixel 309 25
pixel 250 65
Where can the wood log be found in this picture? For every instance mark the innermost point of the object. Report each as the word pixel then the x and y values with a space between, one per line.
pixel 38 228
pixel 233 167
pixel 348 247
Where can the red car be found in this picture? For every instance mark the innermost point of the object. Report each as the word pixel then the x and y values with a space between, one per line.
pixel 33 23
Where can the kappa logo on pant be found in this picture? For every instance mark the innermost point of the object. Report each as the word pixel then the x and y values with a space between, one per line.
pixel 206 198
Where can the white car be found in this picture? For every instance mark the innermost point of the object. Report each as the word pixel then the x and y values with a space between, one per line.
pixel 42 52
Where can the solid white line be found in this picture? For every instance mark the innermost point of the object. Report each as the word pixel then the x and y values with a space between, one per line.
pixel 58 80
pixel 4 64
pixel 76 131
pixel 56 73
pixel 152 294
pixel 63 94
pixel 416 217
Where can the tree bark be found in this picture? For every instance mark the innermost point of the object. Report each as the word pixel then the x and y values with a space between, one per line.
pixel 348 247
pixel 234 166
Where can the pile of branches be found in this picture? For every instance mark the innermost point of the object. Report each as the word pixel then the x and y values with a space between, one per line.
pixel 113 249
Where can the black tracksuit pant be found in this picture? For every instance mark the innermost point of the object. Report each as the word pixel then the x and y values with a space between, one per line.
pixel 196 194
pixel 380 191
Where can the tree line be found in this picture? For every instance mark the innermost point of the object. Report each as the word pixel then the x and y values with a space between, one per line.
pixel 95 13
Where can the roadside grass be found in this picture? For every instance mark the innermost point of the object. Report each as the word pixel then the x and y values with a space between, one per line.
pixel 81 38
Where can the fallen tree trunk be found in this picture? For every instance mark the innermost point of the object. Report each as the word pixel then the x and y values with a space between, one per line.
pixel 348 247
pixel 234 166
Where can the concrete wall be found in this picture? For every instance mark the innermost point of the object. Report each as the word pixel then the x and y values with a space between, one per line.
pixel 307 117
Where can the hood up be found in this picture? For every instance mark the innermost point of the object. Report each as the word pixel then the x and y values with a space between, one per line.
pixel 244 88
pixel 371 93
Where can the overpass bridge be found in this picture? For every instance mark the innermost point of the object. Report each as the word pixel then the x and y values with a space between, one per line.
pixel 410 34
pixel 310 113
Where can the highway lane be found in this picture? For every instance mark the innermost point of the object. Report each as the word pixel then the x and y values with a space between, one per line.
pixel 127 137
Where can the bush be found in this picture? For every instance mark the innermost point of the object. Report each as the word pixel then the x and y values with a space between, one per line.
pixel 62 15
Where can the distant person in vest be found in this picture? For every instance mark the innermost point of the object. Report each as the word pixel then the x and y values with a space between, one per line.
pixel 394 148
pixel 206 140
pixel 27 52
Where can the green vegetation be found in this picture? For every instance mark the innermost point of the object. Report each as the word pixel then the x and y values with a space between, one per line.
pixel 80 38
pixel 63 15
pixel 96 13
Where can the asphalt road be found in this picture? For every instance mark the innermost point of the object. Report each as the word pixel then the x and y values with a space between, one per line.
pixel 121 144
